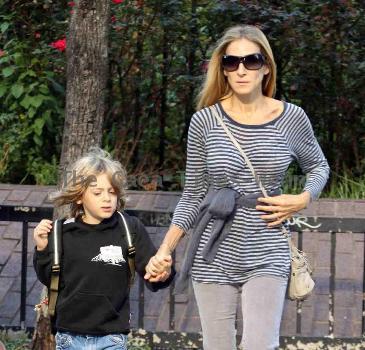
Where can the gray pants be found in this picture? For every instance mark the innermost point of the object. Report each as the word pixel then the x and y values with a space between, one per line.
pixel 262 308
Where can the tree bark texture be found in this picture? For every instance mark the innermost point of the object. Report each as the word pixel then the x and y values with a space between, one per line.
pixel 87 74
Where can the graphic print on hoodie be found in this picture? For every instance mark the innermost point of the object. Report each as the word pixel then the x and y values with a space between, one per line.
pixel 110 255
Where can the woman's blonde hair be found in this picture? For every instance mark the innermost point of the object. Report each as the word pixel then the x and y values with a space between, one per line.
pixel 82 173
pixel 215 85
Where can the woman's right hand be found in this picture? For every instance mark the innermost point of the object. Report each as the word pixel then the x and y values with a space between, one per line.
pixel 40 234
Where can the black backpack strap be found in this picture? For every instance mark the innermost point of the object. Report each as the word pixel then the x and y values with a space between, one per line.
pixel 56 240
pixel 131 249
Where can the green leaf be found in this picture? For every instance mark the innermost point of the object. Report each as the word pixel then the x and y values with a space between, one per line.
pixel 29 72
pixel 31 112
pixel 7 72
pixel 38 140
pixel 34 61
pixel 44 89
pixel 25 102
pixel 3 89
pixel 4 26
pixel 37 100
pixel 17 90
pixel 38 126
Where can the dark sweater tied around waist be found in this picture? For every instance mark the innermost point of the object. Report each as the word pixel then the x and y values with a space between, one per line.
pixel 220 205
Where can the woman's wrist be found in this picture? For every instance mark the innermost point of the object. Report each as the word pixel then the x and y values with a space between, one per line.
pixel 306 197
pixel 165 248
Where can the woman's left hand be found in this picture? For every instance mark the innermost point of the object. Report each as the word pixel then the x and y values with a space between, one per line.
pixel 282 207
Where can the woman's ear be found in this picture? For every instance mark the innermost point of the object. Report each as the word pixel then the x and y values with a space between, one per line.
pixel 267 69
pixel 79 201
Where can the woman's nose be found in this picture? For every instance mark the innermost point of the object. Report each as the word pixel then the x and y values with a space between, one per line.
pixel 241 69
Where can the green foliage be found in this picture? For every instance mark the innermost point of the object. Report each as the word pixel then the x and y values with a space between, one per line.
pixel 32 108
pixel 157 50
pixel 15 340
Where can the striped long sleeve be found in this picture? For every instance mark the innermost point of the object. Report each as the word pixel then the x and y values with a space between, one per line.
pixel 308 153
pixel 196 177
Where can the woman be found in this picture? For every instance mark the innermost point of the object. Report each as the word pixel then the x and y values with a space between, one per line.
pixel 252 260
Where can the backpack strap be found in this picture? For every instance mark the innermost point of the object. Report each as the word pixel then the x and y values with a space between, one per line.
pixel 131 250
pixel 56 240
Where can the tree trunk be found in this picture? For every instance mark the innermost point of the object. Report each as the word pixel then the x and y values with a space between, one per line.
pixel 87 75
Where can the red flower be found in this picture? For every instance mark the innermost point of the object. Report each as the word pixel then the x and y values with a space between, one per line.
pixel 118 1
pixel 204 66
pixel 2 53
pixel 71 3
pixel 37 35
pixel 59 45
pixel 113 19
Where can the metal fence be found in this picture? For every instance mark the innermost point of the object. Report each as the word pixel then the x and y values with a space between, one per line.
pixel 331 226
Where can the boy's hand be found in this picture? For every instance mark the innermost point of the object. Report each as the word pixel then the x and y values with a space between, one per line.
pixel 40 234
pixel 159 268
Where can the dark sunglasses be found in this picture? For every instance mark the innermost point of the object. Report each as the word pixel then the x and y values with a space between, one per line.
pixel 250 62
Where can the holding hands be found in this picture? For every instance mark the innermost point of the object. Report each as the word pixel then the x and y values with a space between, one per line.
pixel 282 207
pixel 158 268
pixel 40 234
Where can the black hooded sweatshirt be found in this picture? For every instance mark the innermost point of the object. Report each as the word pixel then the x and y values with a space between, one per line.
pixel 94 280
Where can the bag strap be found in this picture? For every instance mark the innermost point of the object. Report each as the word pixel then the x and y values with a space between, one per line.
pixel 131 250
pixel 247 160
pixel 56 266
pixel 243 154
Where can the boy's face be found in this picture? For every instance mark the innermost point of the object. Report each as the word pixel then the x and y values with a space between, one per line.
pixel 99 200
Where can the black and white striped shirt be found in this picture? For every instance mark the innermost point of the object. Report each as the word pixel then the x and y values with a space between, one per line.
pixel 251 248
